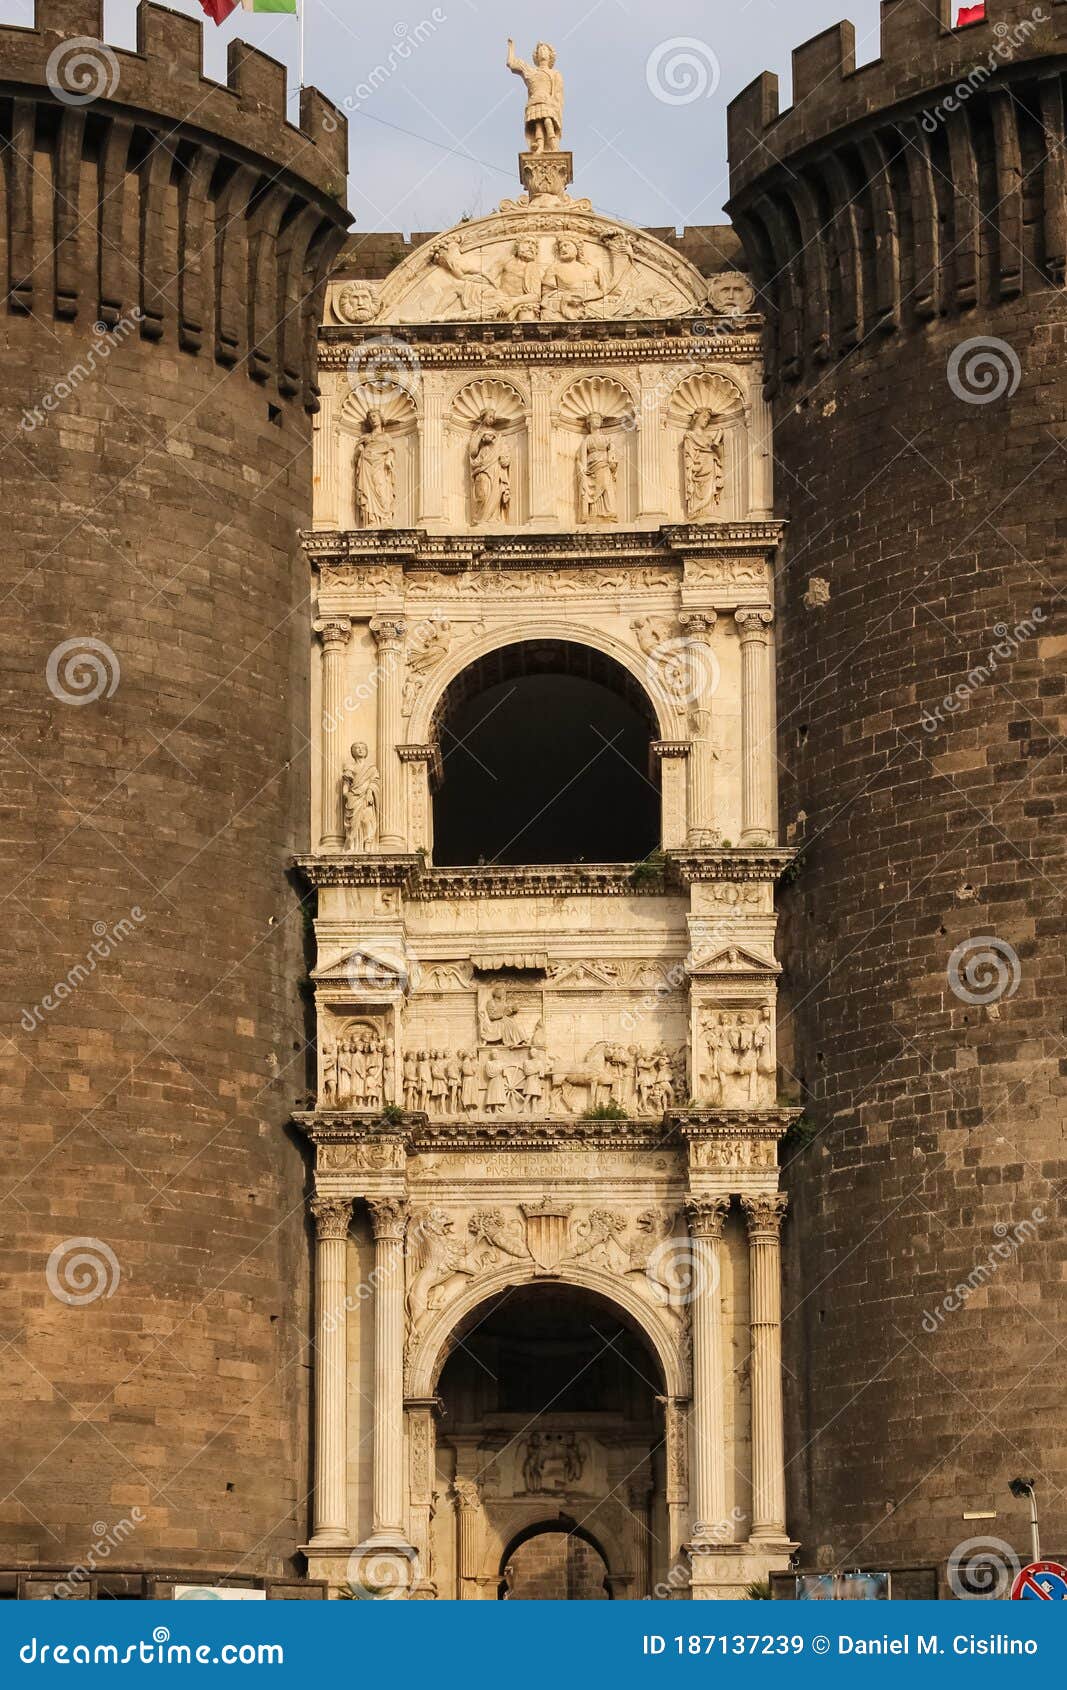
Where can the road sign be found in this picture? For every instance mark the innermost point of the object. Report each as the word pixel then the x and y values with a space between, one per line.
pixel 1041 1581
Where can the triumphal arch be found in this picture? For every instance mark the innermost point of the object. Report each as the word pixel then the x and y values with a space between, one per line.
pixel 546 1133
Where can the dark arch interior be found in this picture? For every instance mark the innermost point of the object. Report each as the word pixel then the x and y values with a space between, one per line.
pixel 544 749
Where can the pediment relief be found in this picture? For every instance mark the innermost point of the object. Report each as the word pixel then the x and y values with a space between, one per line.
pixel 362 971
pixel 530 266
pixel 733 960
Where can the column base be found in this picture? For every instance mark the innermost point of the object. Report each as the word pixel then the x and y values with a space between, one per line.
pixel 721 1572
pixel 385 1567
pixel 757 836
pixel 328 1564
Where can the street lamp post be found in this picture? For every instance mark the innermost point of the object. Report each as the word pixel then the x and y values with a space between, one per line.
pixel 1021 1488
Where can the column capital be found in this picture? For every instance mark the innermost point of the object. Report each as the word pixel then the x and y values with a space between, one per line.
pixel 332 1216
pixel 388 631
pixel 334 631
pixel 698 624
pixel 389 1217
pixel 754 622
pixel 764 1212
pixel 706 1215
pixel 466 1493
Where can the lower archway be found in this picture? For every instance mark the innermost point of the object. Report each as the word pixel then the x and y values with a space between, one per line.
pixel 555 1561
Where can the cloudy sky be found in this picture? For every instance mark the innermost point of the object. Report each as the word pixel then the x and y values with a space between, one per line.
pixel 435 133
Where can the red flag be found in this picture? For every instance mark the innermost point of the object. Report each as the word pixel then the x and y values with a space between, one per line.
pixel 970 14
pixel 219 10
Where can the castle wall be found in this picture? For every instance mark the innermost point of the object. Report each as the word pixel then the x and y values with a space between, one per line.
pixel 920 745
pixel 155 475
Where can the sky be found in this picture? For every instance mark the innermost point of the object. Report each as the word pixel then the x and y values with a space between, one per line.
pixel 436 137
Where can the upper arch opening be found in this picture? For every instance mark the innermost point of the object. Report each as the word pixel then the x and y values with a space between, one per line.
pixel 545 758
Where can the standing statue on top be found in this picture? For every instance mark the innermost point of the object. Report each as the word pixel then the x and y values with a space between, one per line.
pixel 544 104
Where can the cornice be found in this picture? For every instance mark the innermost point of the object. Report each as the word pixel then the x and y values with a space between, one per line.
pixel 693 1124
pixel 619 880
pixel 416 549
pixel 734 340
pixel 420 1132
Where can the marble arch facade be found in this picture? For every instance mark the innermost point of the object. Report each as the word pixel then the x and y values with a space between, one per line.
pixel 555 1074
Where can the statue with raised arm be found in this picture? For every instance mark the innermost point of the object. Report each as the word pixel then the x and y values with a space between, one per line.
pixel 544 97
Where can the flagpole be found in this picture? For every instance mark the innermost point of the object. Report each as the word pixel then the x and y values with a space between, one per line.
pixel 302 7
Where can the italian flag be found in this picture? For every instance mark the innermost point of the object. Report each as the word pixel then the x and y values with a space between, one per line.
pixel 219 10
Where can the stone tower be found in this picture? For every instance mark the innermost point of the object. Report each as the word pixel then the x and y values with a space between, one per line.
pixel 165 243
pixel 907 223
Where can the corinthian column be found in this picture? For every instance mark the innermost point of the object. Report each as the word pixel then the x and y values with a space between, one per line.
pixel 388 633
pixel 763 1215
pixel 468 1559
pixel 757 751
pixel 700 677
pixel 332 1216
pixel 707 1496
pixel 389 1219
pixel 335 633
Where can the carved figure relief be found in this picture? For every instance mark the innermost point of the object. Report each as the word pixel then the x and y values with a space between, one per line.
pixel 489 463
pixel 356 1068
pixel 360 798
pixel 544 96
pixel 553 1461
pixel 731 293
pixel 375 474
pixel 355 302
pixel 598 473
pixel 432 644
pixel 738 1070
pixel 733 1153
pixel 702 464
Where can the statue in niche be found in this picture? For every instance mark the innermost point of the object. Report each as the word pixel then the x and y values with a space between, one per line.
pixel 571 282
pixel 519 280
pixel 375 474
pixel 544 97
pixel 474 294
pixel 359 798
pixel 490 471
pixel 598 473
pixel 702 459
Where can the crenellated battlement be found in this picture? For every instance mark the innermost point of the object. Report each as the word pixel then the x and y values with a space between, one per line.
pixel 165 78
pixel 922 185
pixel 920 53
pixel 193 206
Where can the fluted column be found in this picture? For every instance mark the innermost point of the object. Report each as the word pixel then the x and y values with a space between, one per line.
pixel 653 505
pixel 330 1512
pixel 763 1215
pixel 701 670
pixel 468 1548
pixel 707 1496
pixel 542 467
pixel 431 453
pixel 324 460
pixel 335 633
pixel 757 749
pixel 640 1495
pixel 388 633
pixel 389 1219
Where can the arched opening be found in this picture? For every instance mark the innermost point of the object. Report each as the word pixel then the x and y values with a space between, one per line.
pixel 551 1413
pixel 554 1561
pixel 545 759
